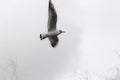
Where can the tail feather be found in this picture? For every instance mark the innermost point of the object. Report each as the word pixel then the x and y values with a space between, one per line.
pixel 42 36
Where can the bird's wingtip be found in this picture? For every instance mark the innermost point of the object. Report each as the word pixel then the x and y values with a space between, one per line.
pixel 54 45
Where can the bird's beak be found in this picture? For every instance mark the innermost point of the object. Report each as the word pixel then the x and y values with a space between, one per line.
pixel 63 31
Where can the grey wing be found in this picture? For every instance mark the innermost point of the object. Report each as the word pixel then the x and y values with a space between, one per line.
pixel 52 17
pixel 53 41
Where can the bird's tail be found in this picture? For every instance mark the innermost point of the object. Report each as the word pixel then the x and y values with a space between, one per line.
pixel 42 36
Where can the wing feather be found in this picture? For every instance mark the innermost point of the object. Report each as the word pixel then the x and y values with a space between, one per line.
pixel 53 41
pixel 52 20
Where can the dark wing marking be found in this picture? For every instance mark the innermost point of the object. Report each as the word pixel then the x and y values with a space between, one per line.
pixel 52 20
pixel 53 41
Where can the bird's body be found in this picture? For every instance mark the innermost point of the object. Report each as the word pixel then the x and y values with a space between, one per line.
pixel 50 34
pixel 52 31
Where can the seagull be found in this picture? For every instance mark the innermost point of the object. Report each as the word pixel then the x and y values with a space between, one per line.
pixel 52 30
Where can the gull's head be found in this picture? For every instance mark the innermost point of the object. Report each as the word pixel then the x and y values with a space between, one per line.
pixel 60 31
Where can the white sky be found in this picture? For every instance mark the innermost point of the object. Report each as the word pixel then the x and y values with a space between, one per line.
pixel 89 44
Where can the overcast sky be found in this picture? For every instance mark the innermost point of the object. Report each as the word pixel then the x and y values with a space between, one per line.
pixel 92 37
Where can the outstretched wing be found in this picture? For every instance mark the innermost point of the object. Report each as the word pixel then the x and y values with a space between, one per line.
pixel 53 41
pixel 52 20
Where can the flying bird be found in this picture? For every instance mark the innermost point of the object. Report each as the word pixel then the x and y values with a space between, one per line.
pixel 52 30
